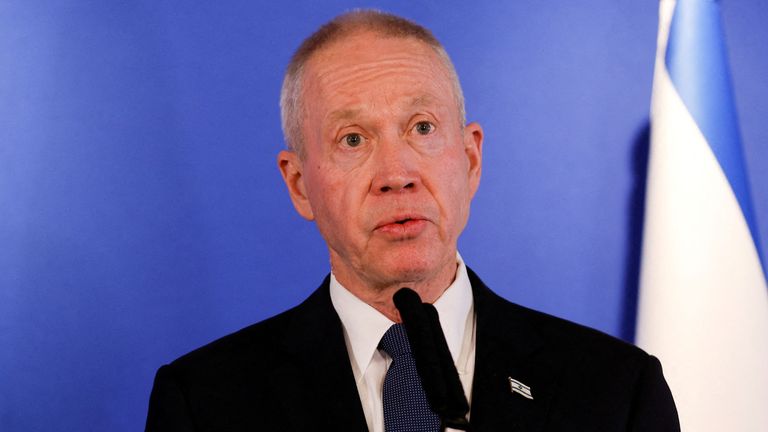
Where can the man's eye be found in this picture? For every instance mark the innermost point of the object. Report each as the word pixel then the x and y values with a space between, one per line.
pixel 424 128
pixel 353 140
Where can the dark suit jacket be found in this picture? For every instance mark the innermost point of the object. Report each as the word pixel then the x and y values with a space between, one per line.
pixel 292 373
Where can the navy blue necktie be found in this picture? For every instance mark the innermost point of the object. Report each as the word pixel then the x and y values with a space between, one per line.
pixel 406 408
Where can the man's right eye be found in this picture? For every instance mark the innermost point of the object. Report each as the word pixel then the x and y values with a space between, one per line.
pixel 353 139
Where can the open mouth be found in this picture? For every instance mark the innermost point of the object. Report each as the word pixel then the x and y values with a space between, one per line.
pixel 402 223
pixel 403 227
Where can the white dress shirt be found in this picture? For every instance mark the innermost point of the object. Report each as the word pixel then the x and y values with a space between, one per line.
pixel 364 327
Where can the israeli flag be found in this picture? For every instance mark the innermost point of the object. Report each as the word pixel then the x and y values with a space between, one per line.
pixel 703 305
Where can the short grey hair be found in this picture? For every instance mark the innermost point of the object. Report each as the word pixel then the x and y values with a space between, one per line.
pixel 356 21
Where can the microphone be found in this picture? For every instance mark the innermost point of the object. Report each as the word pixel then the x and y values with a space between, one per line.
pixel 434 363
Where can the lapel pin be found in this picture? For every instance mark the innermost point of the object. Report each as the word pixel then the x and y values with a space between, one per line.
pixel 518 387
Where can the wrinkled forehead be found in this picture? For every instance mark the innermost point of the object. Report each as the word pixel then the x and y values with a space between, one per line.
pixel 367 58
pixel 365 51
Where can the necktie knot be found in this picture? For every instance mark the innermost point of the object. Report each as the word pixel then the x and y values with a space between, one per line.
pixel 395 341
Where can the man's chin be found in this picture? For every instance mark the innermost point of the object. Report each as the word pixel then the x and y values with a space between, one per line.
pixel 409 268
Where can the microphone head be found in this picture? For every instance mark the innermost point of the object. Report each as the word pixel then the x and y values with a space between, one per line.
pixel 406 298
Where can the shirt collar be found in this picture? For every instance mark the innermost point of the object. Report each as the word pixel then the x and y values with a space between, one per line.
pixel 364 325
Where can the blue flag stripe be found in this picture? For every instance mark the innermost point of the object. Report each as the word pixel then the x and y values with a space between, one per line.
pixel 698 67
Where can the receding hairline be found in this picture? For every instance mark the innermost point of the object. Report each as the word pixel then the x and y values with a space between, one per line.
pixel 357 22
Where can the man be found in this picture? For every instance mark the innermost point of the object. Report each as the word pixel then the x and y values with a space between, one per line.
pixel 381 159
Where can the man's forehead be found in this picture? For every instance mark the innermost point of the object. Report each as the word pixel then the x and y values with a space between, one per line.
pixel 376 58
pixel 423 100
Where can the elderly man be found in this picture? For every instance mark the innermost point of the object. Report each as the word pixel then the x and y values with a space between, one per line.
pixel 381 159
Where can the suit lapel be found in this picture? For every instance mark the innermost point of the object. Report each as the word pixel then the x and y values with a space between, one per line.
pixel 320 369
pixel 507 346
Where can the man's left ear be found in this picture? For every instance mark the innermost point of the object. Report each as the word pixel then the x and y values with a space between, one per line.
pixel 473 147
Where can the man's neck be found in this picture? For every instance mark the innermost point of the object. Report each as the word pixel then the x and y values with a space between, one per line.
pixel 379 296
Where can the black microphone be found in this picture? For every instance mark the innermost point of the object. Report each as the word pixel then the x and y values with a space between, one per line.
pixel 434 363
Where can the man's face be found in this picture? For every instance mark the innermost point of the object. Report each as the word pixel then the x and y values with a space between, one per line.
pixel 388 172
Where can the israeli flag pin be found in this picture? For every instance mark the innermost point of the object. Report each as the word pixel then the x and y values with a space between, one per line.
pixel 518 387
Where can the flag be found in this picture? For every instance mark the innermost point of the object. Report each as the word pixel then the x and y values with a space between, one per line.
pixel 703 300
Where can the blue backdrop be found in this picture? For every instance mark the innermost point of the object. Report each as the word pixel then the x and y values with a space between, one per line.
pixel 142 214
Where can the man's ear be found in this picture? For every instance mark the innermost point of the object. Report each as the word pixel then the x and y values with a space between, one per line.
pixel 292 170
pixel 473 147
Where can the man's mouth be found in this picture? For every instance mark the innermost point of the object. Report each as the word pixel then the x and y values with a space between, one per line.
pixel 402 227
pixel 400 219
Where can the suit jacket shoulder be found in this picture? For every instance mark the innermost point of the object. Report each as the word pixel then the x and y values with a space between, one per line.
pixel 289 372
pixel 577 375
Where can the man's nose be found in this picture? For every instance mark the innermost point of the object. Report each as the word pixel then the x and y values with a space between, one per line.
pixel 395 167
